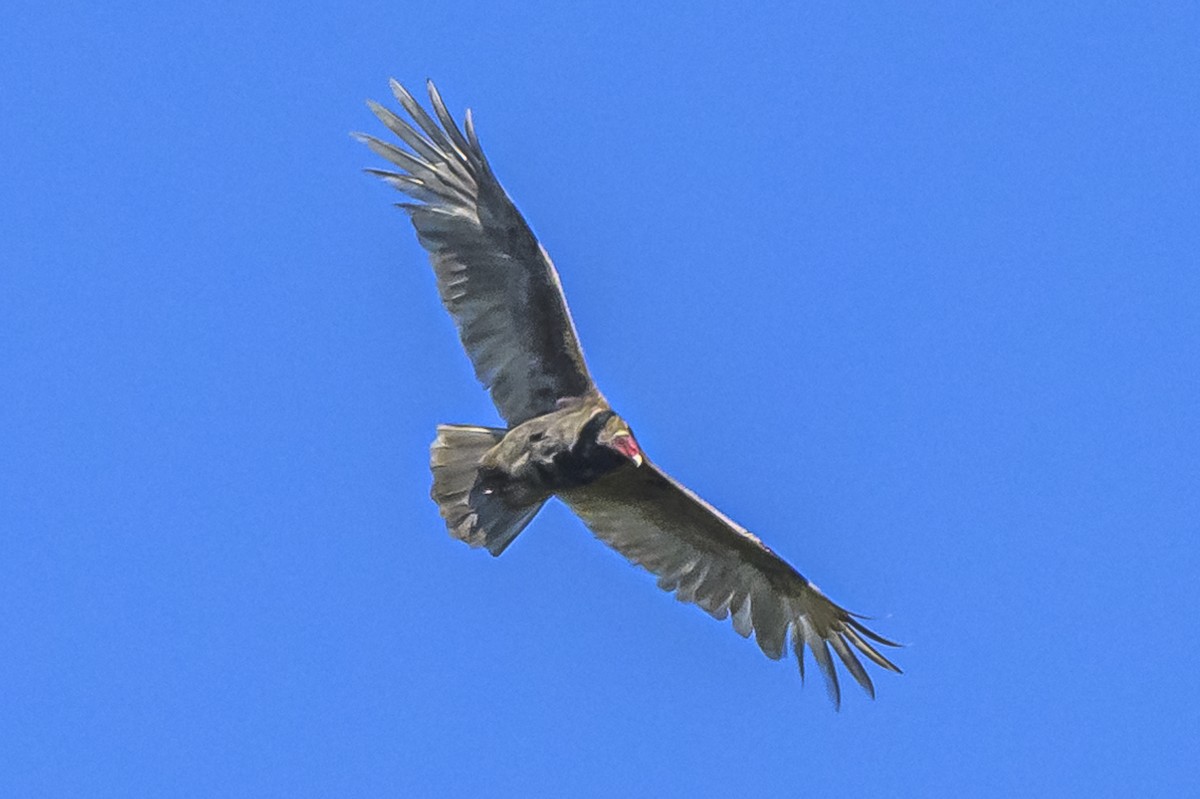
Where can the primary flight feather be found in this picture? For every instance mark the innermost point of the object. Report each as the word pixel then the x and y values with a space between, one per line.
pixel 563 439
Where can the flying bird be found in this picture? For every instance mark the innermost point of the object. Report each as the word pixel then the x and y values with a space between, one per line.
pixel 563 438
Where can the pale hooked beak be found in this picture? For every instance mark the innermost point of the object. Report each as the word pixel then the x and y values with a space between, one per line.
pixel 627 446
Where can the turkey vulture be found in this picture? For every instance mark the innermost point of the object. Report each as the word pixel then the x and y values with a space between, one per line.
pixel 563 439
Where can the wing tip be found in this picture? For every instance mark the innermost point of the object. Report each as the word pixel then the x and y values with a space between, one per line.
pixel 398 88
pixel 844 638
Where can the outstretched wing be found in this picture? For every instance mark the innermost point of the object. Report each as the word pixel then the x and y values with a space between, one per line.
pixel 493 275
pixel 706 559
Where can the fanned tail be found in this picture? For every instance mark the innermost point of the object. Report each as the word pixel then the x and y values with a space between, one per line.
pixel 473 512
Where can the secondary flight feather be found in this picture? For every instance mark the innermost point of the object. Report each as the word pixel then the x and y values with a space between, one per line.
pixel 563 438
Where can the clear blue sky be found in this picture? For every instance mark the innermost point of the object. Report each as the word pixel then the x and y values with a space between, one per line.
pixel 910 290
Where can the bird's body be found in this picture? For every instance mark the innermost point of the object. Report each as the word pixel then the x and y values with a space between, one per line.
pixel 556 451
pixel 563 439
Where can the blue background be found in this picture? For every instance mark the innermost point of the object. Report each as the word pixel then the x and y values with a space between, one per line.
pixel 911 290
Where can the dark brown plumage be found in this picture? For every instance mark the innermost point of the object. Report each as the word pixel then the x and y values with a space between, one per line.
pixel 563 438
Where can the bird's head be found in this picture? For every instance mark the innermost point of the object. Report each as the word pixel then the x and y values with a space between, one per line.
pixel 616 435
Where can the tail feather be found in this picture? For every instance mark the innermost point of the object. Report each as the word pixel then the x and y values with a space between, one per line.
pixel 474 513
